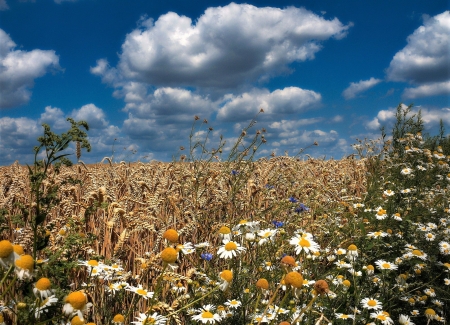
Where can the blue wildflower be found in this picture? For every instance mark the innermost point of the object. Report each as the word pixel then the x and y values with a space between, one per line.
pixel 234 172
pixel 293 200
pixel 301 208
pixel 278 224
pixel 206 256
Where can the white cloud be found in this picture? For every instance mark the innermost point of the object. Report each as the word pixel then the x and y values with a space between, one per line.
pixel 226 47
pixel 169 105
pixel 94 116
pixel 290 100
pixel 429 89
pixel 54 116
pixel 430 116
pixel 425 59
pixel 356 88
pixel 19 69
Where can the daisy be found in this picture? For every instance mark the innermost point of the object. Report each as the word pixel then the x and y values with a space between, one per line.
pixel 24 267
pixel 397 216
pixel 42 288
pixel 76 303
pixel 384 265
pixel 371 303
pixel 233 303
pixel 388 192
pixel 344 316
pixel 154 319
pixel 304 242
pixel 430 236
pixel 266 235
pixel 444 247
pixel 206 315
pixel 226 276
pixel 405 320
pixel 225 233
pixel 229 249
pixel 186 248
pixel 140 291
pixel 377 234
pixel 381 214
pixel 202 245
pixel 383 317
pixel 406 191
pixel 44 305
pixel 406 171
pixel 358 205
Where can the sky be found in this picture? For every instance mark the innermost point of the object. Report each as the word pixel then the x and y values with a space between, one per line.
pixel 138 72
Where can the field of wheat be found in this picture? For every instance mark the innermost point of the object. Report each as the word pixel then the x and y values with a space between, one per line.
pixel 272 241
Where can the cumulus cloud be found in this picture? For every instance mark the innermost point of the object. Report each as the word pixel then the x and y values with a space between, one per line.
pixel 424 60
pixel 18 69
pixel 430 89
pixel 226 47
pixel 356 88
pixel 430 116
pixel 94 116
pixel 169 105
pixel 290 100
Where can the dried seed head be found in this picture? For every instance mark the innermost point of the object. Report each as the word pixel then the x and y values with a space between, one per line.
pixel 321 287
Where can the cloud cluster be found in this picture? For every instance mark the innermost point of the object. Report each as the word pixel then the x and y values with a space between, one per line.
pixel 356 88
pixel 424 61
pixel 226 47
pixel 19 69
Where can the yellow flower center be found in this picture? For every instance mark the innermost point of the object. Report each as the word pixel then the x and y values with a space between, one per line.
pixel 119 318
pixel 77 299
pixel 43 284
pixel 169 255
pixel 226 275
pixel 381 317
pixel 262 283
pixel 294 279
pixel 224 230
pixel 386 265
pixel 243 222
pixel 230 246
pixel 92 263
pixel 304 242
pixel 6 248
pixel 352 247
pixel 25 262
pixel 370 267
pixel 18 249
pixel 417 252
pixel 141 292
pixel 207 314
pixel 372 303
pixel 77 321
pixel 171 235
pixel 347 283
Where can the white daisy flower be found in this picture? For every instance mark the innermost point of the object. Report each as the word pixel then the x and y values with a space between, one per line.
pixel 229 249
pixel 384 265
pixel 371 303
pixel 304 243
pixel 154 319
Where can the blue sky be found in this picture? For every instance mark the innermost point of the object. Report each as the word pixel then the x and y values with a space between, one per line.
pixel 138 71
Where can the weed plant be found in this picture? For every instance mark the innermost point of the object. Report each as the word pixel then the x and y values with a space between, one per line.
pixel 214 239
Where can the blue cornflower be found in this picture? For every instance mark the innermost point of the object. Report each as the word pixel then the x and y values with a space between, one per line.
pixel 293 199
pixel 269 186
pixel 301 208
pixel 207 256
pixel 278 224
pixel 234 172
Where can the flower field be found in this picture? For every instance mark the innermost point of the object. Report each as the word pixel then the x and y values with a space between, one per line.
pixel 281 240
